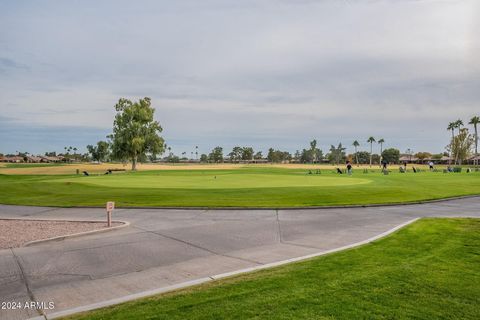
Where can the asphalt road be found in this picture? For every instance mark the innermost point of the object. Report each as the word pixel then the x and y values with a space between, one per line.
pixel 166 247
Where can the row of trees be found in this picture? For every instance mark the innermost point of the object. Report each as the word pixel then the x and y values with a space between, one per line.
pixel 136 137
pixel 462 141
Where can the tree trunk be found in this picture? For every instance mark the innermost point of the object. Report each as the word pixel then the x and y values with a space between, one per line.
pixel 134 163
pixel 476 144
pixel 371 150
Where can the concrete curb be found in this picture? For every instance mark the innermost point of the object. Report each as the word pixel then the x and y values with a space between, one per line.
pixel 190 283
pixel 393 204
pixel 79 234
pixel 73 235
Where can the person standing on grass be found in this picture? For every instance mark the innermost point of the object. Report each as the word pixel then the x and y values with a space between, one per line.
pixel 384 165
pixel 349 168
pixel 430 164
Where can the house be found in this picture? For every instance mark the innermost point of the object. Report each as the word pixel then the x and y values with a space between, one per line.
pixel 13 159
pixel 51 159
pixel 408 158
pixel 33 159
pixel 474 160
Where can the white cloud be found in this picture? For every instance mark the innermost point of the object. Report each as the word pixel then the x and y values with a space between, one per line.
pixel 252 71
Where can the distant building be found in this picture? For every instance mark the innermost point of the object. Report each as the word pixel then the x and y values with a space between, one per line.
pixel 13 159
pixel 33 159
pixel 408 158
pixel 48 159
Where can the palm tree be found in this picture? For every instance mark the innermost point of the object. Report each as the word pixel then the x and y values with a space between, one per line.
pixel 196 152
pixel 356 145
pixel 475 121
pixel 381 142
pixel 371 140
pixel 451 126
pixel 458 125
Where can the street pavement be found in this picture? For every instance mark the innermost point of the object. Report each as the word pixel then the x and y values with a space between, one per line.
pixel 165 247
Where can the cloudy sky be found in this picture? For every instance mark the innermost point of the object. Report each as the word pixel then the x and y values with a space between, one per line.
pixel 256 73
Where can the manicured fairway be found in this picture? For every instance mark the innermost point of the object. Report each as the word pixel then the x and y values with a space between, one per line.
pixel 428 270
pixel 244 187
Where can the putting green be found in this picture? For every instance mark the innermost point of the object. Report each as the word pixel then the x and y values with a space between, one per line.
pixel 223 180
pixel 242 187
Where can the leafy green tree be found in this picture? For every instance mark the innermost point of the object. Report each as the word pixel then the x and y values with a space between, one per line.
pixel 258 155
pixel 99 152
pixel 391 155
pixel 216 155
pixel 247 153
pixel 337 154
pixel 371 140
pixel 462 145
pixel 363 157
pixel 203 157
pixel 236 154
pixel 423 155
pixel 276 156
pixel 135 132
pixel 475 121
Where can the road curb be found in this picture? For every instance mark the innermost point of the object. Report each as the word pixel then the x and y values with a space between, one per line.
pixel 73 235
pixel 393 204
pixel 79 234
pixel 211 278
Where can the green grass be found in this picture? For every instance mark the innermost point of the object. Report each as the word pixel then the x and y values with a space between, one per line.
pixel 428 270
pixel 249 187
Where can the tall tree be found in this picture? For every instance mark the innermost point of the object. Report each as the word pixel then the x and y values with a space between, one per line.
pixel 462 145
pixel 371 140
pixel 356 144
pixel 247 153
pixel 381 142
pixel 216 155
pixel 475 121
pixel 451 127
pixel 458 125
pixel 391 155
pixel 337 154
pixel 313 150
pixel 135 132
pixel 236 154
pixel 196 152
pixel 100 151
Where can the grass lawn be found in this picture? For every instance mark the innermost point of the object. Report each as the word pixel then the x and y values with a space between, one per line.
pixel 244 187
pixel 241 187
pixel 428 270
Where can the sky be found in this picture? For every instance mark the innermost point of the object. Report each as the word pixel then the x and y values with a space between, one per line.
pixel 258 73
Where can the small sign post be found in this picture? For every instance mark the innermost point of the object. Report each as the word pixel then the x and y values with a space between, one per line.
pixel 110 207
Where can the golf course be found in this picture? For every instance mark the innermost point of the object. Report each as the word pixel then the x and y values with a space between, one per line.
pixel 212 186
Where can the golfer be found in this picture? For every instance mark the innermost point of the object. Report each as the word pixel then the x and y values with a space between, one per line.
pixel 430 164
pixel 384 165
pixel 349 168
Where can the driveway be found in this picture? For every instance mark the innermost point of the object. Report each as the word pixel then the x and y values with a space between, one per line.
pixel 165 247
